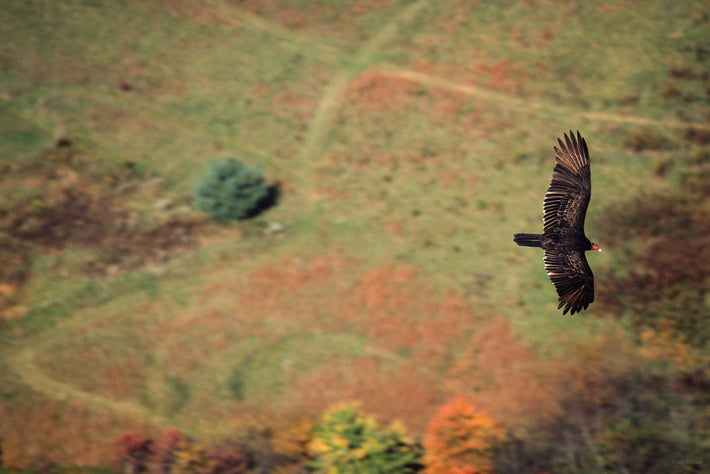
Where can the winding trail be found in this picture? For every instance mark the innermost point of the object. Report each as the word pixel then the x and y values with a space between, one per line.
pixel 24 365
pixel 327 108
pixel 527 104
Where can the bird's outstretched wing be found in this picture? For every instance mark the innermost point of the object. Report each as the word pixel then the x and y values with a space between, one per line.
pixel 564 210
pixel 567 198
pixel 569 271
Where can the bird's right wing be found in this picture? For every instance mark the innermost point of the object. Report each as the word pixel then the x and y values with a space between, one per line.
pixel 572 277
pixel 570 190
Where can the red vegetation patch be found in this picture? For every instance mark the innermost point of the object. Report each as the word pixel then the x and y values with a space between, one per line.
pixel 39 429
pixel 191 337
pixel 383 91
pixel 413 333
pixel 375 90
pixel 294 288
pixel 521 389
pixel 406 323
pixel 114 370
pixel 118 380
pixel 446 104
pixel 501 75
pixel 391 305
pixel 394 226
pixel 480 71
pixel 502 375
pixel 298 106
pixel 408 394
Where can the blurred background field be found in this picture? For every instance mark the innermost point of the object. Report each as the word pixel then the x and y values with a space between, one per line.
pixel 409 140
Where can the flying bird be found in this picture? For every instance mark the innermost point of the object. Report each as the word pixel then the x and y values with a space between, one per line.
pixel 562 238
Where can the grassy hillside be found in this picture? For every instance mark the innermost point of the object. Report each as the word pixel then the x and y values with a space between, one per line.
pixel 409 139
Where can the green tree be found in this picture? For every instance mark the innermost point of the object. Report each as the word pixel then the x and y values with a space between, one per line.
pixel 231 190
pixel 346 441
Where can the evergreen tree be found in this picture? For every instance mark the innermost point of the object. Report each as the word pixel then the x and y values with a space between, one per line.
pixel 231 190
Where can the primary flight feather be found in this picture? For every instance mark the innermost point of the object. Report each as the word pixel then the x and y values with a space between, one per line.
pixel 562 238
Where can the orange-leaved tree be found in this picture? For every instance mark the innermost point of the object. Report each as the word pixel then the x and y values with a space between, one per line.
pixel 460 439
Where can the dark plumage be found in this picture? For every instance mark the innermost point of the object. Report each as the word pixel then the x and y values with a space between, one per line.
pixel 563 238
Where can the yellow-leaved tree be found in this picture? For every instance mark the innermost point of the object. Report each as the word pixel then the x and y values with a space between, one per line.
pixel 346 441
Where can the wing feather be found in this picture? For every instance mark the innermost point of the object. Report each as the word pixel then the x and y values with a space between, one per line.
pixel 570 190
pixel 572 277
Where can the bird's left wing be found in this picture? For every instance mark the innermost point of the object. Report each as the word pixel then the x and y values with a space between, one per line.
pixel 569 271
pixel 570 190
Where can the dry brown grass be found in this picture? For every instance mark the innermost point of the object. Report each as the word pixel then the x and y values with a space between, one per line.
pixel 41 430
pixel 407 393
pixel 408 328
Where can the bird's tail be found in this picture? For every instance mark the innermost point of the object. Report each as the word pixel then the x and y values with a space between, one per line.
pixel 528 240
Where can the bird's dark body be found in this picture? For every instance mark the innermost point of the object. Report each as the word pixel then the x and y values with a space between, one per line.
pixel 564 242
pixel 563 239
pixel 553 241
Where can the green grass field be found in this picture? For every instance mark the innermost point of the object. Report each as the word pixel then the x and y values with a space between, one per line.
pixel 410 140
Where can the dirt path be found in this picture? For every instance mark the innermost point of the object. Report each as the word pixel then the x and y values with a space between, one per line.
pixel 528 104
pixel 24 365
pixel 327 107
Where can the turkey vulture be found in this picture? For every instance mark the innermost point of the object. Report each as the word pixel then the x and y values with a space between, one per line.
pixel 562 237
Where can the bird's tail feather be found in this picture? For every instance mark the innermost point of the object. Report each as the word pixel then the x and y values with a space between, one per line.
pixel 528 240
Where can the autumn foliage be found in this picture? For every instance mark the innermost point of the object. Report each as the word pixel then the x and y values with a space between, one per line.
pixel 134 450
pixel 460 439
pixel 348 441
pixel 391 306
pixel 173 452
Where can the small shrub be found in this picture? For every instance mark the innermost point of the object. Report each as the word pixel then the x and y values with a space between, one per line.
pixel 346 441
pixel 232 190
